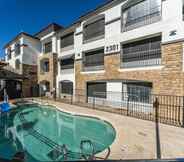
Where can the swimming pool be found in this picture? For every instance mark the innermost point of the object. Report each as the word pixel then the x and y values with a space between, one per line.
pixel 47 134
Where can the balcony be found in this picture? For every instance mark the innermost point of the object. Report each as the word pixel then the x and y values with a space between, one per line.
pixel 142 53
pixel 141 59
pixel 67 62
pixel 141 14
pixel 94 29
pixel 93 60
pixel 93 66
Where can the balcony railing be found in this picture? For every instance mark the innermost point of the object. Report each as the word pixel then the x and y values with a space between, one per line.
pixel 93 66
pixel 65 67
pixel 142 21
pixel 141 58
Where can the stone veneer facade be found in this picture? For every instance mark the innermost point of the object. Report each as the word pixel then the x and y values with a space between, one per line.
pixel 166 81
pixel 30 72
pixel 51 75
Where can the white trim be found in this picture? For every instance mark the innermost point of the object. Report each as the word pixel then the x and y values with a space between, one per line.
pixel 47 36
pixel 183 58
pixel 142 68
pixel 93 72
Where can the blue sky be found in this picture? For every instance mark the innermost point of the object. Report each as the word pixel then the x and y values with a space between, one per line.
pixel 32 15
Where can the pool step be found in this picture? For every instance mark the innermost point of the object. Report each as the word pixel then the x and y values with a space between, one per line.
pixel 57 149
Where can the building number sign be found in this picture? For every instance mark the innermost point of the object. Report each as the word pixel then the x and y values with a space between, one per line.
pixel 112 48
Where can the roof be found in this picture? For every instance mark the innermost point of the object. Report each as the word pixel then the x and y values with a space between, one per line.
pixel 8 75
pixel 18 36
pixel 95 11
pixel 3 63
pixel 97 8
pixel 48 29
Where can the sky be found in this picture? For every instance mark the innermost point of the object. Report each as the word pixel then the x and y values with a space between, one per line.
pixel 32 15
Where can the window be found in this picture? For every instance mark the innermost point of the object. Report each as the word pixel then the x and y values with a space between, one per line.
pixel 48 47
pixel 139 92
pixel 67 87
pixel 47 86
pixel 143 13
pixel 94 60
pixel 67 40
pixel 98 90
pixel 17 48
pixel 183 10
pixel 94 29
pixel 67 63
pixel 9 54
pixel 17 64
pixel 142 53
pixel 44 65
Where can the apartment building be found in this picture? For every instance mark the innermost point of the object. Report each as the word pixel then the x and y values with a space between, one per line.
pixel 21 56
pixel 123 47
pixel 130 47
pixel 47 60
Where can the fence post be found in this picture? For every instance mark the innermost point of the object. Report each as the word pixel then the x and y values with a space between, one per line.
pixel 128 107
pixel 158 147
pixel 183 113
pixel 93 102
pixel 156 106
pixel 71 99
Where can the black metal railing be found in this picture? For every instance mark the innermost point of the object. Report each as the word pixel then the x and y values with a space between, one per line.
pixel 170 109
pixel 93 66
pixel 67 66
pixel 154 16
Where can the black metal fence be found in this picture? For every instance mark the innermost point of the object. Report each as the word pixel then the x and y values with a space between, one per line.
pixel 166 109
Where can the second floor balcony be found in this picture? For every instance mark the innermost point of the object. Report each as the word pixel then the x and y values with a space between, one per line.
pixel 140 14
pixel 141 53
pixel 67 62
pixel 94 29
pixel 93 60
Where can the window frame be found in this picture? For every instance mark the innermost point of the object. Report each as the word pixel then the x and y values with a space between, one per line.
pixel 44 49
pixel 102 95
pixel 69 65
pixel 123 9
pixel 9 53
pixel 87 39
pixel 66 91
pixel 66 36
pixel 43 65
pixel 17 64
pixel 158 62
pixel 17 49
pixel 94 67
pixel 144 88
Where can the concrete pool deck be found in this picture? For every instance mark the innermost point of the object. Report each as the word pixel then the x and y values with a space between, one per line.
pixel 135 138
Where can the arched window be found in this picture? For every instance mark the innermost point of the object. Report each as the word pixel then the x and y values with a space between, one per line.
pixel 17 64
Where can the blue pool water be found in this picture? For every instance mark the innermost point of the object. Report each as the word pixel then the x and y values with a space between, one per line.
pixel 46 134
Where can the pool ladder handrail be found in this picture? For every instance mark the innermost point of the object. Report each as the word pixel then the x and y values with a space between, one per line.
pixel 93 157
pixel 88 157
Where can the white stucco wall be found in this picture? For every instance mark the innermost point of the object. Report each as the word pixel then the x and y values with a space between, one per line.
pixel 51 37
pixel 28 55
pixel 67 74
pixel 172 20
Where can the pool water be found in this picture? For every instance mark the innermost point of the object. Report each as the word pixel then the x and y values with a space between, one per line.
pixel 46 134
